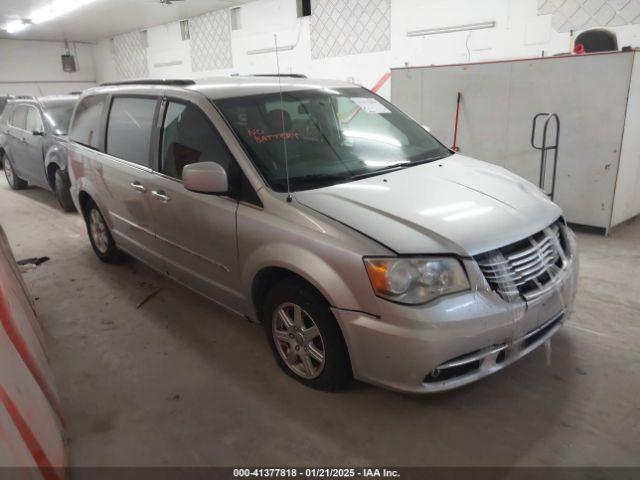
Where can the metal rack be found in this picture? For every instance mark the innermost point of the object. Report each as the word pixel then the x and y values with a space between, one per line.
pixel 545 148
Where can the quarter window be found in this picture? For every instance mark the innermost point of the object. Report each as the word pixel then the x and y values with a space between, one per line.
pixel 130 127
pixel 188 137
pixel 86 122
pixel 34 120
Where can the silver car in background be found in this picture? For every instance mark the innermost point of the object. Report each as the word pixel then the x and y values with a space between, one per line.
pixel 365 247
pixel 33 139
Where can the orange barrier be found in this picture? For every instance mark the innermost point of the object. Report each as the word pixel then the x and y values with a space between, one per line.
pixel 31 427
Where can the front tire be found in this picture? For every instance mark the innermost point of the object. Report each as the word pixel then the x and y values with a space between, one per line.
pixel 15 182
pixel 305 337
pixel 100 236
pixel 62 185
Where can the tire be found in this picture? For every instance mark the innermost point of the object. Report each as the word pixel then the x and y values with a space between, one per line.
pixel 333 373
pixel 100 236
pixel 15 182
pixel 62 185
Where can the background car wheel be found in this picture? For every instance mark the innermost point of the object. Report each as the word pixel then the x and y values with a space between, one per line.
pixel 15 182
pixel 305 337
pixel 63 194
pixel 100 236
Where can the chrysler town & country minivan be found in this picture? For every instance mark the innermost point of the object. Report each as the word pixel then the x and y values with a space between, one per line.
pixel 365 247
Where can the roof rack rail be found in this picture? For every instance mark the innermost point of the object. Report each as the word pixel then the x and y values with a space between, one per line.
pixel 290 75
pixel 152 81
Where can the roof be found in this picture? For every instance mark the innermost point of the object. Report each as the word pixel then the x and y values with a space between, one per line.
pixel 228 87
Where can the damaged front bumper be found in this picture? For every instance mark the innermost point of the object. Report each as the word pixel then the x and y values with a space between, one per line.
pixel 456 340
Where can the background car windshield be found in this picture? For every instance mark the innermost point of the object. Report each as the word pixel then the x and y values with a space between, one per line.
pixel 57 115
pixel 330 136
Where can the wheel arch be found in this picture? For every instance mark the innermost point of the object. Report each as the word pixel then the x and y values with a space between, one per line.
pixel 273 263
pixel 54 160
pixel 83 199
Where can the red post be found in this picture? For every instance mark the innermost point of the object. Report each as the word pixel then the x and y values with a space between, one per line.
pixel 455 147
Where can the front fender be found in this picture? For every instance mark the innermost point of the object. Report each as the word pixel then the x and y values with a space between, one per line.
pixel 304 263
pixel 56 154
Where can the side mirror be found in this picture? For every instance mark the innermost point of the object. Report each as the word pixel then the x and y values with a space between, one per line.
pixel 205 177
pixel 37 133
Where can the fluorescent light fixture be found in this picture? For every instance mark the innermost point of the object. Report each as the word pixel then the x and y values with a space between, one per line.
pixel 454 28
pixel 15 26
pixel 282 48
pixel 56 9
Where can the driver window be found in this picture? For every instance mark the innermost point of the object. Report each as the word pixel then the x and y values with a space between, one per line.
pixel 188 137
pixel 34 121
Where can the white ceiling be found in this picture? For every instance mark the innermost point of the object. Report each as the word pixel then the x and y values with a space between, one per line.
pixel 103 18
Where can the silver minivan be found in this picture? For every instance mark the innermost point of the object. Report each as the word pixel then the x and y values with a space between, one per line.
pixel 364 246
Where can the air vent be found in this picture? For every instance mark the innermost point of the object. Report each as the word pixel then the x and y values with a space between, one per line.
pixel 304 8
pixel 184 30
pixel 234 13
pixel 144 39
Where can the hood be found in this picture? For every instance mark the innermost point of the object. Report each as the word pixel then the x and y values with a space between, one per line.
pixel 455 205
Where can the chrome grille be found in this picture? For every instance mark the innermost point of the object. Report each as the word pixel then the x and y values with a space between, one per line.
pixel 524 267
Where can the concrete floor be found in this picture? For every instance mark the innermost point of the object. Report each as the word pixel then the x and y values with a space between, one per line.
pixel 179 381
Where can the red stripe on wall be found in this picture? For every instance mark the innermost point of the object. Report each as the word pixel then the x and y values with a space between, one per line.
pixel 23 350
pixel 30 440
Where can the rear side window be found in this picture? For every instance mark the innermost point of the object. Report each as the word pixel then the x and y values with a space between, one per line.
pixel 19 117
pixel 130 127
pixel 86 123
pixel 34 120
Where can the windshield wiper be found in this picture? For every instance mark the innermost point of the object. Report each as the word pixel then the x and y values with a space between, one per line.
pixel 315 179
pixel 388 168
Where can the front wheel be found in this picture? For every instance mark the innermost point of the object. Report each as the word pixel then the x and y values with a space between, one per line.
pixel 63 194
pixel 100 236
pixel 15 182
pixel 305 337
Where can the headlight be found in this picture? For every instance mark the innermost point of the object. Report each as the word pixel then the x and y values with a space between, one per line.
pixel 415 280
pixel 572 240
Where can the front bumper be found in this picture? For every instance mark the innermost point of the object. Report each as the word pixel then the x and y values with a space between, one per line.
pixel 455 340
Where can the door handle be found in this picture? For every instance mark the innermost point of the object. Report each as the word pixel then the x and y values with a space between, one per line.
pixel 160 195
pixel 138 187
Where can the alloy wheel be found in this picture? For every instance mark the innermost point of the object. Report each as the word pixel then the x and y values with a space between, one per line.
pixel 98 231
pixel 298 340
pixel 8 171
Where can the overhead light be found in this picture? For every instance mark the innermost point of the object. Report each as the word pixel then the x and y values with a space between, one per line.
pixel 281 48
pixel 454 28
pixel 15 26
pixel 56 9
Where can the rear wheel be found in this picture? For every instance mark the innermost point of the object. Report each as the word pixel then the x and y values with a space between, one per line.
pixel 62 185
pixel 100 236
pixel 305 337
pixel 15 182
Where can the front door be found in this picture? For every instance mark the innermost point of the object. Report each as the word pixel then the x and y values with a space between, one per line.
pixel 32 157
pixel 196 232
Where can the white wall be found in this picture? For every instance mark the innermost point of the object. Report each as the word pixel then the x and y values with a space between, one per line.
pixel 519 32
pixel 35 68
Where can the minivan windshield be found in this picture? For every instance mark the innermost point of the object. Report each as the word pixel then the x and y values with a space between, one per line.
pixel 57 114
pixel 329 135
